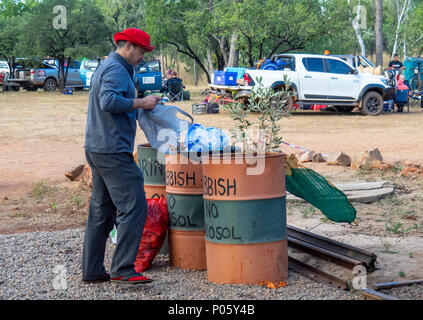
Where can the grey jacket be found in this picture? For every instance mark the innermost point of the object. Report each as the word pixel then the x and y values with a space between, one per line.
pixel 111 120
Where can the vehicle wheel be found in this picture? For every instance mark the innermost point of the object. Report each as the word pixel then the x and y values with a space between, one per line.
pixel 372 104
pixel 286 104
pixel 344 109
pixel 50 85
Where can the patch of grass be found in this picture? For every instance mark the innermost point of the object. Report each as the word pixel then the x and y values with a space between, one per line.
pixel 364 173
pixel 392 202
pixel 77 200
pixel 308 212
pixel 387 247
pixel 395 227
pixel 413 227
pixel 396 168
pixel 40 190
pixel 401 273
pixel 20 214
pixel 410 255
pixel 324 219
pixel 54 206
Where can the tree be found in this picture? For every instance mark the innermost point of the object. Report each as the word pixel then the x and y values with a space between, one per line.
pixel 121 14
pixel 82 32
pixel 379 32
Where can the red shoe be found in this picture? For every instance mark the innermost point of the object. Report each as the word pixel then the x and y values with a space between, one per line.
pixel 132 280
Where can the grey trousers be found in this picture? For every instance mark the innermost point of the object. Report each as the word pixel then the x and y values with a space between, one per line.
pixel 118 197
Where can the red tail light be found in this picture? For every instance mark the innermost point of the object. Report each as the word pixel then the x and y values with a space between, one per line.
pixel 248 80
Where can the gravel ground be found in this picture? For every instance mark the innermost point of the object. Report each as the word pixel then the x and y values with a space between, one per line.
pixel 29 270
pixel 413 292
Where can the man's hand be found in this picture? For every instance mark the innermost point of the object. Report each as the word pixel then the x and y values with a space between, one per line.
pixel 146 103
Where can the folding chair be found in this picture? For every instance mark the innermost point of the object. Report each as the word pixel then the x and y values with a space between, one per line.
pixel 175 89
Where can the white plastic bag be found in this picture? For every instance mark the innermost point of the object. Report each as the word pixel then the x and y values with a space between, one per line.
pixel 152 122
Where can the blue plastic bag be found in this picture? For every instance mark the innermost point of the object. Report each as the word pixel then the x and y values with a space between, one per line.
pixel 200 138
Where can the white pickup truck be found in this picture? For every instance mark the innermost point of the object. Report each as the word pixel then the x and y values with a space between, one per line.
pixel 326 80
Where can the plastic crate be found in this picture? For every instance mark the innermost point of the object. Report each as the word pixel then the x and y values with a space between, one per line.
pixel 239 71
pixel 225 78
pixel 212 108
pixel 199 108
pixel 401 96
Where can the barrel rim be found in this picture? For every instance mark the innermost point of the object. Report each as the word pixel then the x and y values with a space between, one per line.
pixel 235 155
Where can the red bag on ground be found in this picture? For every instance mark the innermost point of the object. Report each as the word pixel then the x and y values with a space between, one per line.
pixel 153 235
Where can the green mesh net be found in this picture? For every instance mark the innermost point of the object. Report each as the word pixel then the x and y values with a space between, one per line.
pixel 316 190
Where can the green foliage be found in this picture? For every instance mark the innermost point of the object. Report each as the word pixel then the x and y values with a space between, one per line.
pixel 395 227
pixel 202 29
pixel 401 273
pixel 85 34
pixel 40 190
pixel 270 105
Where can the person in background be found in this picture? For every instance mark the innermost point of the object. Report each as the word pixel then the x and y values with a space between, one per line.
pixel 118 195
pixel 396 64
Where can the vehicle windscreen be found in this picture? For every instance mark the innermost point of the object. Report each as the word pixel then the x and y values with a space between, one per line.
pixel 150 66
pixel 91 65
pixel 366 63
pixel 289 60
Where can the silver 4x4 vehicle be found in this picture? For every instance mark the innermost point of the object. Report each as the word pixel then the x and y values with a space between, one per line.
pixel 326 80
pixel 32 74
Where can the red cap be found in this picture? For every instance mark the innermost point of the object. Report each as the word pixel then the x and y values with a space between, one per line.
pixel 135 36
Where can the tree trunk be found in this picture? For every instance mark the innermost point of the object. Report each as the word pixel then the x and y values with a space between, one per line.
pixel 210 61
pixel 195 74
pixel 61 72
pixel 379 33
pixel 401 16
pixel 356 25
pixel 222 45
pixel 67 69
pixel 233 52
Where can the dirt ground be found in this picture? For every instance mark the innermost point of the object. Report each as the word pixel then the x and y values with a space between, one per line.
pixel 42 136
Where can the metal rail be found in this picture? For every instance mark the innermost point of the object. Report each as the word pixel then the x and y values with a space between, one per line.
pixel 369 294
pixel 330 250
pixel 323 253
pixel 390 285
pixel 338 252
pixel 316 274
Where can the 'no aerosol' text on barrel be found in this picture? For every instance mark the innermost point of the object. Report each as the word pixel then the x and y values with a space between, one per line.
pixel 154 178
pixel 184 182
pixel 245 219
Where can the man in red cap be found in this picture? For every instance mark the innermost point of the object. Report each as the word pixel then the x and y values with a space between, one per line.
pixel 118 195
